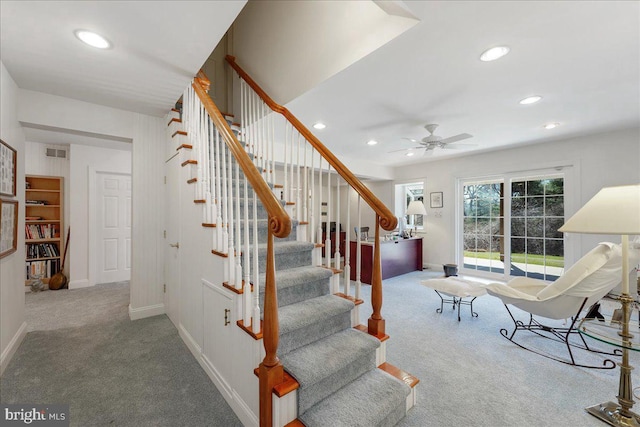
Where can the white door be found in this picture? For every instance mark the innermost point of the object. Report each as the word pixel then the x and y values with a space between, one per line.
pixel 172 240
pixel 113 220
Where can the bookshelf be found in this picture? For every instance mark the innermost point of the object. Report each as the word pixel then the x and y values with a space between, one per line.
pixel 44 228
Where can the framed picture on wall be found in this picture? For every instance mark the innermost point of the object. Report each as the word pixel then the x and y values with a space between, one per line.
pixel 8 161
pixel 436 199
pixel 8 227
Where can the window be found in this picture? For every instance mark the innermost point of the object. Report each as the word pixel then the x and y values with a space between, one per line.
pixel 523 240
pixel 407 193
pixel 537 211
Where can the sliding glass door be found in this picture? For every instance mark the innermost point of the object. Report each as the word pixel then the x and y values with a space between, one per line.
pixel 510 226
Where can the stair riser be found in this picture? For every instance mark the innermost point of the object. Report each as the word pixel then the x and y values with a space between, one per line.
pixel 300 292
pixel 303 336
pixel 310 395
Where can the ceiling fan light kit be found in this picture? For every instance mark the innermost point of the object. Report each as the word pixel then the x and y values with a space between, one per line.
pixel 431 142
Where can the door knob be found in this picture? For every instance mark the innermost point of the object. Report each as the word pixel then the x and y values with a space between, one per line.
pixel 226 316
pixel 175 245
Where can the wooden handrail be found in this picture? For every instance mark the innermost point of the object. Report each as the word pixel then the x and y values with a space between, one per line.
pixel 279 221
pixel 388 221
pixel 271 372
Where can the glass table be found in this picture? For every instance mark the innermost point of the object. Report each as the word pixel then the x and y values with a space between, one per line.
pixel 611 332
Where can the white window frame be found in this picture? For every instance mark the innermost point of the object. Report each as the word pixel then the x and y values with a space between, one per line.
pixel 570 174
pixel 400 194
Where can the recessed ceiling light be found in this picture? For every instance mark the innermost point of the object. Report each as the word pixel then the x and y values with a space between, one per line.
pixel 494 53
pixel 372 142
pixel 319 125
pixel 92 39
pixel 410 153
pixel 551 125
pixel 530 100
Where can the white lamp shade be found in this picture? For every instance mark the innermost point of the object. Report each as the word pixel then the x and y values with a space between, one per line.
pixel 416 208
pixel 614 210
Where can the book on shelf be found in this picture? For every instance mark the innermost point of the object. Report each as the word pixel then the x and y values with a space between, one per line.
pixel 33 218
pixel 44 269
pixel 36 202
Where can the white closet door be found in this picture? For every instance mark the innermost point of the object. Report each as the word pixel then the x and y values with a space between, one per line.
pixel 113 223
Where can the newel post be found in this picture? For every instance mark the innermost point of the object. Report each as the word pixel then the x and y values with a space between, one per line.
pixel 376 322
pixel 270 372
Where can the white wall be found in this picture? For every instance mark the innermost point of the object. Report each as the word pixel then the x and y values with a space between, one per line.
pixel 51 111
pixel 12 267
pixel 147 275
pixel 85 162
pixel 598 161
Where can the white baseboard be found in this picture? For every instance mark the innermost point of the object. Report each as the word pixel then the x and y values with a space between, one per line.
pixel 15 342
pixel 148 311
pixel 76 284
pixel 239 407
pixel 191 343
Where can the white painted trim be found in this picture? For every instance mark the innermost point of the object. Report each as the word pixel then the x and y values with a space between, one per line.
pixel 148 311
pixel 285 408
pixel 93 233
pixel 76 284
pixel 15 342
pixel 239 406
pixel 192 345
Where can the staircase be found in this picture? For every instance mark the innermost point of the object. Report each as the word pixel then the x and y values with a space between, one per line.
pixel 335 369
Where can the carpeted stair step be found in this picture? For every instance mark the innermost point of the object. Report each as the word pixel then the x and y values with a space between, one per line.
pixel 311 320
pixel 375 399
pixel 324 366
pixel 261 212
pixel 263 229
pixel 288 254
pixel 298 284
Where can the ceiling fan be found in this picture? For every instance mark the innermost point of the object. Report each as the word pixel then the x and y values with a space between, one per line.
pixel 431 142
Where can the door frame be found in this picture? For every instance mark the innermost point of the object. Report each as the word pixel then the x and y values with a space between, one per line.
pixel 93 233
pixel 171 296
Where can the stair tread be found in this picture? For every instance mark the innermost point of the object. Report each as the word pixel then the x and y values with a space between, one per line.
pixel 297 275
pixel 313 362
pixel 362 403
pixel 314 310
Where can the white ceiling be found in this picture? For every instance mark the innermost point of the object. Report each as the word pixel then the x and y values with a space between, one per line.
pixel 158 46
pixel 582 57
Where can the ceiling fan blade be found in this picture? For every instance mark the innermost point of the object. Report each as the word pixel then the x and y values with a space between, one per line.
pixel 413 140
pixel 456 138
pixel 458 146
pixel 405 149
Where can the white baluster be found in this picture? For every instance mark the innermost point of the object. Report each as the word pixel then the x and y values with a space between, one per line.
pixel 220 236
pixel 286 176
pixel 297 209
pixel 359 250
pixel 255 322
pixel 225 204
pixel 347 249
pixel 312 219
pixel 337 232
pixel 327 241
pixel 238 274
pixel 231 259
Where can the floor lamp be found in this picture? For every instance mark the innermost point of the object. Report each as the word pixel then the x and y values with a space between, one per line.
pixel 614 210
pixel 416 207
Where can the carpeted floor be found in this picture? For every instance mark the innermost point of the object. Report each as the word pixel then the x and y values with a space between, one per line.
pixel 116 372
pixel 112 371
pixel 470 375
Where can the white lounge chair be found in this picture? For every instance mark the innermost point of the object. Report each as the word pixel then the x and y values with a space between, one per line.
pixel 581 286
